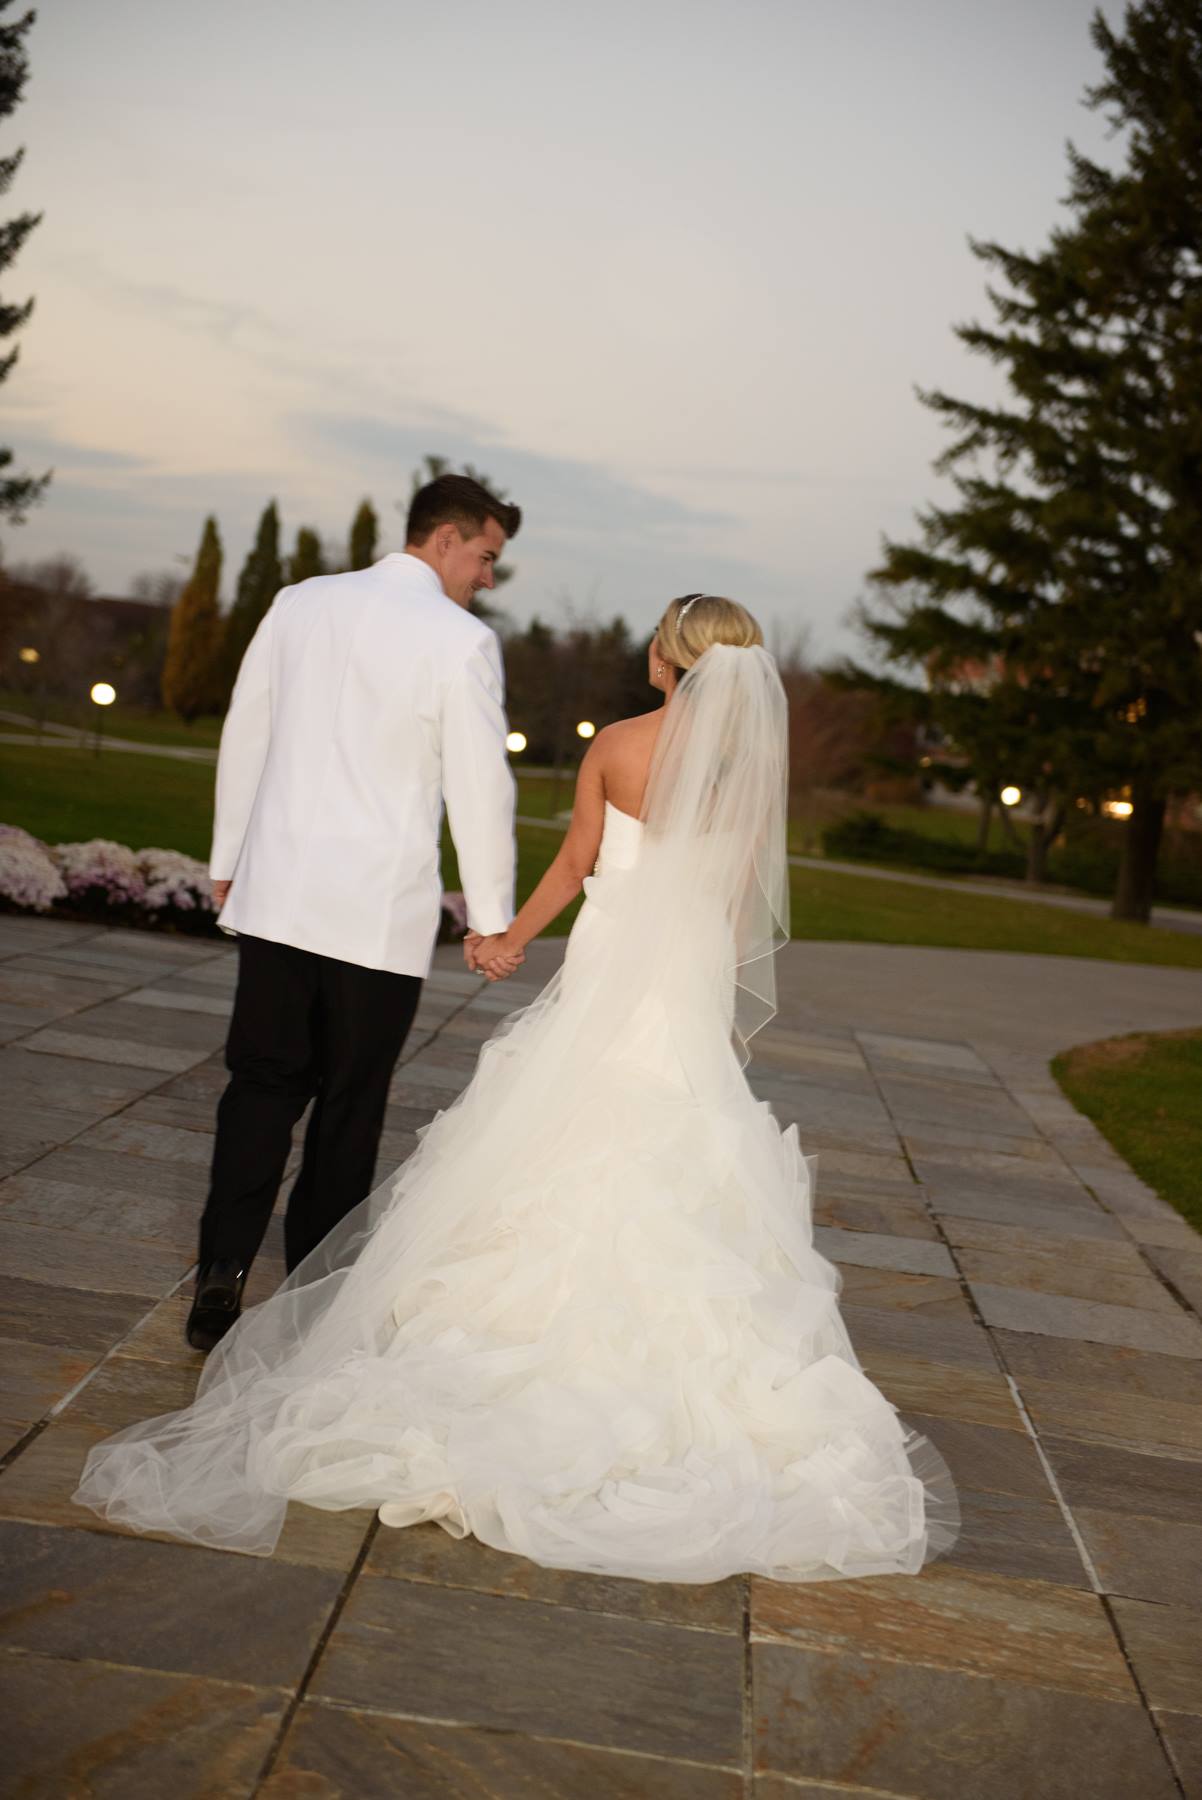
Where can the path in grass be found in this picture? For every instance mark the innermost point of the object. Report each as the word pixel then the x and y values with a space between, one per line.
pixel 1144 1093
pixel 146 724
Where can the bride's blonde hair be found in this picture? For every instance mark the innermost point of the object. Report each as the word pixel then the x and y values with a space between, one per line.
pixel 695 622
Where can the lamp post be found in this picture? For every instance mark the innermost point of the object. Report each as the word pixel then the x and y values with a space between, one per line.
pixel 103 695
pixel 31 656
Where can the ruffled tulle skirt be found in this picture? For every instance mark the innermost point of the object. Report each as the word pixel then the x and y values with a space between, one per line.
pixel 586 1324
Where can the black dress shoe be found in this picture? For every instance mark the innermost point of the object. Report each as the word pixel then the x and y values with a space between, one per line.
pixel 217 1303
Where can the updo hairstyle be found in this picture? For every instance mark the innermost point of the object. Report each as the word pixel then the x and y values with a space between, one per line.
pixel 695 622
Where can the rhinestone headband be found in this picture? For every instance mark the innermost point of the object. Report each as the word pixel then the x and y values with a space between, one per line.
pixel 691 601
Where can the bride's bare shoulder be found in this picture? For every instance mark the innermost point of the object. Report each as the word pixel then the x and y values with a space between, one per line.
pixel 630 737
pixel 624 754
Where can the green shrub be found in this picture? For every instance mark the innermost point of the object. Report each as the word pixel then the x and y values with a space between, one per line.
pixel 1088 858
pixel 867 837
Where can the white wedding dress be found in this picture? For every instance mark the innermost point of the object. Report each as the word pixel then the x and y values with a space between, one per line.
pixel 586 1321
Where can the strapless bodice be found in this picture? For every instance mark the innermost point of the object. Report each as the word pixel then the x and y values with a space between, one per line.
pixel 621 839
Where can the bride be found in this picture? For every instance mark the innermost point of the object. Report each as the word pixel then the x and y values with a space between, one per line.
pixel 586 1321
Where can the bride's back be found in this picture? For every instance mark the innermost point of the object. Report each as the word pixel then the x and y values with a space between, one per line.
pixel 627 747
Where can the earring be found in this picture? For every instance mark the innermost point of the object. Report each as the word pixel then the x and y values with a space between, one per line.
pixel 659 668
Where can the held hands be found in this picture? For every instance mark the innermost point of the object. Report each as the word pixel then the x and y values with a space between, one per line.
pixel 495 957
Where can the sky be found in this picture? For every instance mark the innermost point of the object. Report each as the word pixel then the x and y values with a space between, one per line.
pixel 667 272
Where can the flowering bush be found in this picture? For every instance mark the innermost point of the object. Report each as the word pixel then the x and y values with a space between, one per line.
pixel 174 880
pixel 29 880
pixel 105 881
pixel 100 873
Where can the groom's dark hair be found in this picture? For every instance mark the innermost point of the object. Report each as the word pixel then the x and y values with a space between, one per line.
pixel 458 500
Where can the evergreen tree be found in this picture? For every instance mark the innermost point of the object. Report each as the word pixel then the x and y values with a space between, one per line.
pixel 17 492
pixel 260 581
pixel 191 673
pixel 1069 566
pixel 365 531
pixel 307 559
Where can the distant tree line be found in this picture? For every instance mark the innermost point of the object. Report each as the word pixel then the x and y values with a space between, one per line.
pixel 57 636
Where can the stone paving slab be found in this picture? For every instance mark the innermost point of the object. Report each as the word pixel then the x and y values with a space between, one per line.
pixel 337 1750
pixel 911 1729
pixel 546 1670
pixel 1023 1299
pixel 81 1727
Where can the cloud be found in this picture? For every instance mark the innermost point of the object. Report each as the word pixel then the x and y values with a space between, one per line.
pixel 152 521
pixel 47 450
pixel 802 478
pixel 222 320
pixel 566 496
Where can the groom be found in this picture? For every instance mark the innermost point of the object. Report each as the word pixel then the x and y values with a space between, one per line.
pixel 363 702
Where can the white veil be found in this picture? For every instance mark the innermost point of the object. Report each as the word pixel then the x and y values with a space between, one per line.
pixel 713 879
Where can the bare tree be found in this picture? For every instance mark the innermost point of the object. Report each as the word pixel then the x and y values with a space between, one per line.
pixel 832 734
pixel 62 576
pixel 157 587
pixel 50 648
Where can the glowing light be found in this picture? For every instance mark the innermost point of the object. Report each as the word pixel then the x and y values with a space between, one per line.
pixel 586 729
pixel 1010 796
pixel 1117 809
pixel 515 743
pixel 103 693
pixel 28 654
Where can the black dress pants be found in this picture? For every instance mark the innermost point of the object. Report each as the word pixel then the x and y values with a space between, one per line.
pixel 305 1027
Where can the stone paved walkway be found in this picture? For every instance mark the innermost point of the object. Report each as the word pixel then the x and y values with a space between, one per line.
pixel 1010 1285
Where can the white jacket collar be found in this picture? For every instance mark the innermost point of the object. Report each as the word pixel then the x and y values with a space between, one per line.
pixel 415 569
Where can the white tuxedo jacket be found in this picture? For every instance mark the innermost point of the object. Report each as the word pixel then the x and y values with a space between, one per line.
pixel 362 702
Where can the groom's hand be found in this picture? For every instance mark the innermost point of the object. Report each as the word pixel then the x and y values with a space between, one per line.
pixel 221 891
pixel 471 939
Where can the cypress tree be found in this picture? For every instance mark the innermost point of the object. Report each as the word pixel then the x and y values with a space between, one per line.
pixel 17 492
pixel 261 579
pixel 1069 567
pixel 307 559
pixel 191 673
pixel 365 530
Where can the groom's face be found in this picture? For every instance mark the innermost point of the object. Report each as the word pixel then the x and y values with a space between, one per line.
pixel 469 563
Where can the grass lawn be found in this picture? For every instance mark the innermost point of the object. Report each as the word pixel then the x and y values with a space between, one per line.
pixel 64 795
pixel 1144 1093
pixel 945 824
pixel 854 909
pixel 539 798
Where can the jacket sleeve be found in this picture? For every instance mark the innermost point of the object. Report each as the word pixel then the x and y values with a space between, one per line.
pixel 244 740
pixel 478 787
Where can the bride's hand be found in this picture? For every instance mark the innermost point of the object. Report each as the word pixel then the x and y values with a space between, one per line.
pixel 497 956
